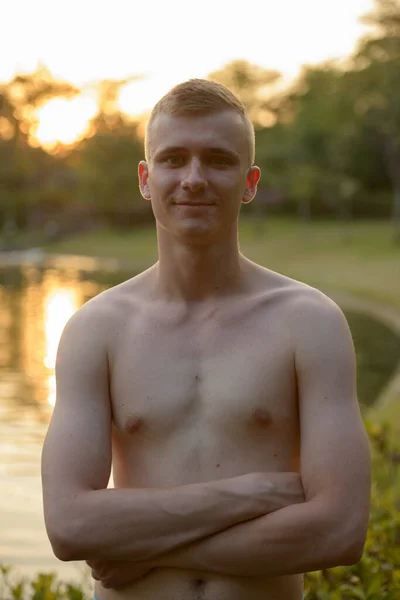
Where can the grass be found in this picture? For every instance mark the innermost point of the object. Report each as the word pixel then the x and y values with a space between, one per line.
pixel 137 248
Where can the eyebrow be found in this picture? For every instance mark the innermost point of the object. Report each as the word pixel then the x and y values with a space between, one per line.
pixel 208 150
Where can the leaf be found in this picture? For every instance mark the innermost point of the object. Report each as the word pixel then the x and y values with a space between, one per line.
pixel 374 586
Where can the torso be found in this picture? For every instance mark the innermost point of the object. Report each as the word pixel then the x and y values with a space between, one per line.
pixel 200 394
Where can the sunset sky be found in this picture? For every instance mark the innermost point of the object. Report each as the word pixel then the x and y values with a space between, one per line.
pixel 166 42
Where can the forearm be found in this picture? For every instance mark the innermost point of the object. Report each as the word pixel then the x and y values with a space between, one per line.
pixel 296 539
pixel 139 524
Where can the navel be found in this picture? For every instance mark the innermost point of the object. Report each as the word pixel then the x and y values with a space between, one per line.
pixel 198 584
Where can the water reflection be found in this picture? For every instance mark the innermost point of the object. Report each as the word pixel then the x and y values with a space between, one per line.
pixel 59 305
pixel 35 304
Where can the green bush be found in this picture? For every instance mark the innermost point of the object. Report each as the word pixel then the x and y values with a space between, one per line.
pixel 44 586
pixel 375 577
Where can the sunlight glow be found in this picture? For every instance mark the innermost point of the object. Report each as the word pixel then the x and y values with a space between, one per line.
pixel 60 305
pixel 166 50
pixel 138 97
pixel 64 120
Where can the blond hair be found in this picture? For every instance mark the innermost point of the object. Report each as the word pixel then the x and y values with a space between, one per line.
pixel 200 96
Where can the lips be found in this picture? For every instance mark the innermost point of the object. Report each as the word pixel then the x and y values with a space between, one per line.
pixel 187 203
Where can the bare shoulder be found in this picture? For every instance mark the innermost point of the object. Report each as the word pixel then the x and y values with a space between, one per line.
pixel 319 335
pixel 318 326
pixel 99 317
pixel 306 309
pixel 311 306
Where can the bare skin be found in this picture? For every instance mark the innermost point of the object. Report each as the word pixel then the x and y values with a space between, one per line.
pixel 222 393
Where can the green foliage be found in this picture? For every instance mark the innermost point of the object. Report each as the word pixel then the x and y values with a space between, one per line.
pixel 44 586
pixel 250 83
pixel 377 575
pixel 107 168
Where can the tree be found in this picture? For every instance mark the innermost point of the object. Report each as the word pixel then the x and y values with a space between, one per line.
pixel 25 169
pixel 251 83
pixel 106 161
pixel 315 139
pixel 26 93
pixel 378 70
pixel 109 115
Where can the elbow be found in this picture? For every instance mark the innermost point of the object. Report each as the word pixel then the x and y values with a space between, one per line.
pixel 63 551
pixel 62 545
pixel 347 533
pixel 342 541
pixel 64 539
pixel 354 538
pixel 334 554
pixel 349 549
pixel 353 552
pixel 69 528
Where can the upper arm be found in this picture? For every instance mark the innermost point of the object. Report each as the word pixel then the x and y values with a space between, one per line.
pixel 335 456
pixel 77 450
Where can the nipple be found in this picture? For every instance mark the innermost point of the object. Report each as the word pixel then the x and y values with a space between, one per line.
pixel 134 425
pixel 262 417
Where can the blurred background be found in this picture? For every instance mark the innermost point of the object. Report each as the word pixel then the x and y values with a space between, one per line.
pixel 321 81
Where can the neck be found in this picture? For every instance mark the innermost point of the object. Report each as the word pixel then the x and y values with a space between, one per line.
pixel 196 273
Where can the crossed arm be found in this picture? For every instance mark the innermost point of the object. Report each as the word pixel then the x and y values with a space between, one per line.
pixel 250 525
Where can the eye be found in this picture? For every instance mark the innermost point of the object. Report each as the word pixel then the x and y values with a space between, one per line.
pixel 220 160
pixel 174 161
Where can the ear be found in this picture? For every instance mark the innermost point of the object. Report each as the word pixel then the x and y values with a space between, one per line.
pixel 143 174
pixel 252 179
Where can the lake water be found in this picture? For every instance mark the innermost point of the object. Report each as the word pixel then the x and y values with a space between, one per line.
pixel 35 304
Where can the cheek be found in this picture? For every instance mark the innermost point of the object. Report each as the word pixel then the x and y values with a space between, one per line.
pixel 229 180
pixel 162 182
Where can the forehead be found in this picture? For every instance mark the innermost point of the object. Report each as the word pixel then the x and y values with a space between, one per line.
pixel 222 129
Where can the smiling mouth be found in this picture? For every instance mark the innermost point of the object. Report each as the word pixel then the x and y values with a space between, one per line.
pixel 194 204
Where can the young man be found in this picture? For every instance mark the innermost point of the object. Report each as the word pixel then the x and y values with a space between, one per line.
pixel 222 394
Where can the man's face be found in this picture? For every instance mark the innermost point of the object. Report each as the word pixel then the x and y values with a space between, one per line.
pixel 198 174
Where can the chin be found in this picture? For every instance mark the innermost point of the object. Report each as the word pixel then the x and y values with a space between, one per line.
pixel 196 234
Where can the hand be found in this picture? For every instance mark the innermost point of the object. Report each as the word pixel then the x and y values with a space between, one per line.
pixel 117 573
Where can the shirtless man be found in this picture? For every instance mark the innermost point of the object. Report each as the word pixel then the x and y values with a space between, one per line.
pixel 222 394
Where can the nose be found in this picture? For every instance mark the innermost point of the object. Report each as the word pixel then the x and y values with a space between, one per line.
pixel 193 179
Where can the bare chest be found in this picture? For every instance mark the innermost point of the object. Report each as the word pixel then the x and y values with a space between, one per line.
pixel 225 377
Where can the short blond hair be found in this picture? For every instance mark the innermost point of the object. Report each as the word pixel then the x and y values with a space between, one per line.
pixel 197 97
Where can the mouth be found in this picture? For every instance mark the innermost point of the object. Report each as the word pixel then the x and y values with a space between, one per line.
pixel 195 204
